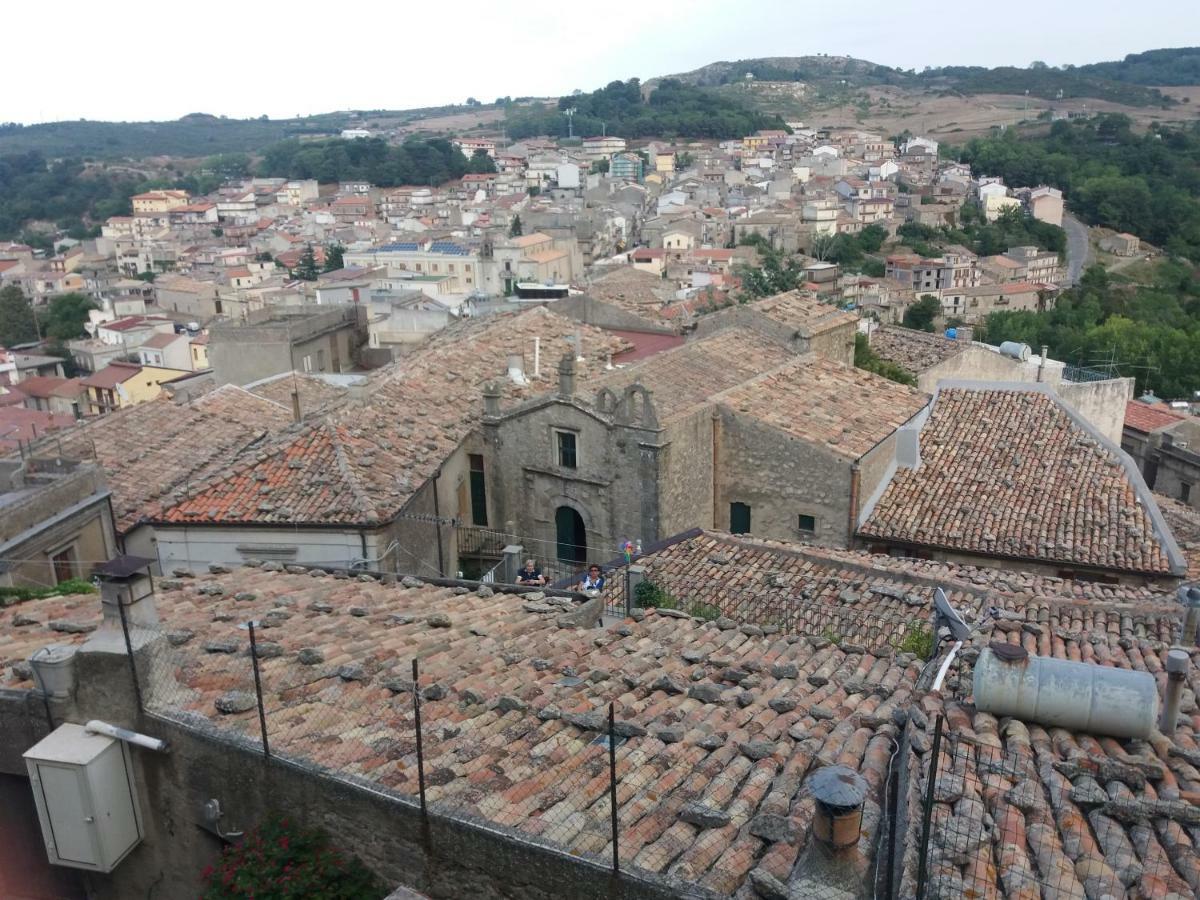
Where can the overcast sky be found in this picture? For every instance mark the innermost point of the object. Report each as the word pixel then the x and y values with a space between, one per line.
pixel 139 60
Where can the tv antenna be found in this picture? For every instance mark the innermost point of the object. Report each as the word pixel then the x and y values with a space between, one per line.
pixel 569 112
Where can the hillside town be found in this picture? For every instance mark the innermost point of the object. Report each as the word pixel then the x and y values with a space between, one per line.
pixel 623 518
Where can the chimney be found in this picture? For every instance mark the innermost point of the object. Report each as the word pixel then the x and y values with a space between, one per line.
pixel 491 399
pixel 1178 663
pixel 1189 596
pixel 566 375
pixel 296 416
pixel 608 363
pixel 1042 362
pixel 537 357
pixel 516 369
pixel 125 582
pixel 839 792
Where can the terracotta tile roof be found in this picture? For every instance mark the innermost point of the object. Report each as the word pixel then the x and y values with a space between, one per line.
pixel 316 394
pixel 1184 522
pixel 914 351
pixel 50 386
pixel 326 475
pixel 632 289
pixel 152 452
pixel 367 461
pixel 682 379
pixel 18 425
pixel 1009 473
pixel 161 341
pixel 111 375
pixel 731 718
pixel 1147 417
pixel 845 409
pixel 1073 814
pixel 804 312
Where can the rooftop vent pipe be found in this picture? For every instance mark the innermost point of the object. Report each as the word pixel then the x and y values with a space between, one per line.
pixel 1189 596
pixel 1060 693
pixel 839 793
pixel 1178 663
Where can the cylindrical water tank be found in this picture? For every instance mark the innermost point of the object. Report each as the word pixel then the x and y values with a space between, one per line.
pixel 1060 693
pixel 1015 349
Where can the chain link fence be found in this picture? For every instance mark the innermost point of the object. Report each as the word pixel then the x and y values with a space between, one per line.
pixel 1016 821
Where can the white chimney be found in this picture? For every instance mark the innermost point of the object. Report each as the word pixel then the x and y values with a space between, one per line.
pixel 516 369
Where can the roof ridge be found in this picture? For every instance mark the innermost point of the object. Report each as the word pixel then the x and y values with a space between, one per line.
pixel 336 432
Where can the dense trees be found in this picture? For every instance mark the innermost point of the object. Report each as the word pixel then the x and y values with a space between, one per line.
pixel 335 257
pixel 306 269
pixel 921 314
pixel 17 324
pixel 672 109
pixel 65 316
pixel 1179 65
pixel 1147 184
pixel 61 192
pixel 776 273
pixel 1150 332
pixel 481 164
pixel 370 159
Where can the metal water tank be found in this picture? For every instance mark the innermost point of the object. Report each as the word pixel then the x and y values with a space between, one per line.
pixel 1060 693
pixel 1015 350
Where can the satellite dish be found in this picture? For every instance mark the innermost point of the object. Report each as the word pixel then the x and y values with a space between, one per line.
pixel 948 616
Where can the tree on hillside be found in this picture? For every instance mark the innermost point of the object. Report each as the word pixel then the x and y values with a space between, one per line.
pixel 306 268
pixel 17 324
pixel 921 314
pixel 65 317
pixel 334 258
pixel 514 230
pixel 481 164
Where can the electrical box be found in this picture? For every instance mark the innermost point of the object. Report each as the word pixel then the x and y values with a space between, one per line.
pixel 84 790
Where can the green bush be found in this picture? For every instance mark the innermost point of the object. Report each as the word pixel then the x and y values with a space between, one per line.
pixel 650 595
pixel 918 641
pixel 10 595
pixel 705 611
pixel 279 860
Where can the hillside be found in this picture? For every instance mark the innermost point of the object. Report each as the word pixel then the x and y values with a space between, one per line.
pixel 1177 66
pixel 1125 82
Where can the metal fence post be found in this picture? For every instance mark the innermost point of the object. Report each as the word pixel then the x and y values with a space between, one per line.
pixel 262 714
pixel 612 784
pixel 137 687
pixel 927 812
pixel 420 747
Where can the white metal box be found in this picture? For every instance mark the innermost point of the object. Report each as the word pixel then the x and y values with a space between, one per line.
pixel 86 801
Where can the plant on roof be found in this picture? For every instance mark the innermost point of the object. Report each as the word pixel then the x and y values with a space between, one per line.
pixel 832 635
pixel 918 641
pixel 705 611
pixel 280 860
pixel 11 595
pixel 650 595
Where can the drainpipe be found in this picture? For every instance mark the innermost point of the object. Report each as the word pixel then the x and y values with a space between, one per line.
pixel 1178 663
pixel 854 479
pixel 716 436
pixel 437 524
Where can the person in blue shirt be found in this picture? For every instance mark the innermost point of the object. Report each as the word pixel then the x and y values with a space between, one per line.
pixel 594 581
pixel 531 574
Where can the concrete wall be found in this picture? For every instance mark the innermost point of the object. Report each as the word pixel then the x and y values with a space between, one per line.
pixel 194 548
pixel 782 477
pixel 1102 403
pixel 606 315
pixel 836 344
pixel 240 354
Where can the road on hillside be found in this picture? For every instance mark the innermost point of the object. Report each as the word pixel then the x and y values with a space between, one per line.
pixel 1078 247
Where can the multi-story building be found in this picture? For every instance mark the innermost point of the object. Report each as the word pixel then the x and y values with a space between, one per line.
pixel 957 267
pixel 628 166
pixel 154 202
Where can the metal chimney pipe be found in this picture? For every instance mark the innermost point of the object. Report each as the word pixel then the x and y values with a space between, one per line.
pixel 537 357
pixel 1178 663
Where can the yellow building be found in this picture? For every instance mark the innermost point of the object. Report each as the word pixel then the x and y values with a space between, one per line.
pixel 122 384
pixel 199 347
pixel 153 202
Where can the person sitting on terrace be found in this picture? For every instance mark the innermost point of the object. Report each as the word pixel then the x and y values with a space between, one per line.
pixel 531 574
pixel 593 581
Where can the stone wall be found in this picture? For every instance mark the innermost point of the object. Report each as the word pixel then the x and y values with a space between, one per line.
pixel 782 477
pixel 607 315
pixel 686 481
